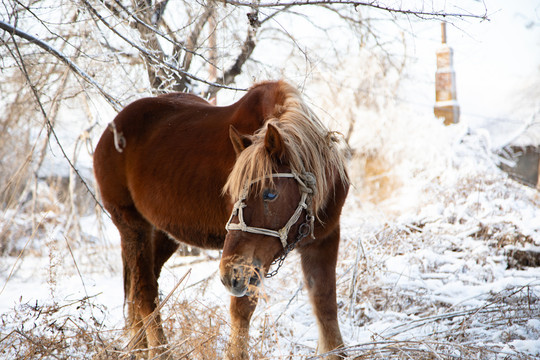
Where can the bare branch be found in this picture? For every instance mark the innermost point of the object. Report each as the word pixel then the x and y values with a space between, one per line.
pixel 156 59
pixel 144 23
pixel 150 33
pixel 271 16
pixel 48 121
pixel 158 13
pixel 156 74
pixel 16 32
pixel 235 70
pixel 245 53
pixel 355 3
pixel 195 33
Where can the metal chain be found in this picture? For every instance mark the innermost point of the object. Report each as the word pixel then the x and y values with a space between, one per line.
pixel 303 231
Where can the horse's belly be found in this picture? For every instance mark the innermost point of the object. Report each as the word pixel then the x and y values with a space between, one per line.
pixel 193 217
pixel 197 237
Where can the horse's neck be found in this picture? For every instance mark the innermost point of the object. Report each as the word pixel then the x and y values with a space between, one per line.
pixel 258 105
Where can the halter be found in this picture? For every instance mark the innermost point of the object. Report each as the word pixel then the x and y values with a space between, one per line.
pixel 306 185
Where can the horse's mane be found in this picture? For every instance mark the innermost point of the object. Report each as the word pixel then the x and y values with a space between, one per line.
pixel 310 147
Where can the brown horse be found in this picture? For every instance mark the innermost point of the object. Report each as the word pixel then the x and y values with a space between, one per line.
pixel 255 179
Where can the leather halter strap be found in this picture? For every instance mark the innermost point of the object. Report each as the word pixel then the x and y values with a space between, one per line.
pixel 307 189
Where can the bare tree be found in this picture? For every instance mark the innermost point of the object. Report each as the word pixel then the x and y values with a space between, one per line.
pixel 171 39
pixel 65 57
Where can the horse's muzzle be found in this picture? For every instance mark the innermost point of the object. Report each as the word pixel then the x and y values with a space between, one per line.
pixel 242 279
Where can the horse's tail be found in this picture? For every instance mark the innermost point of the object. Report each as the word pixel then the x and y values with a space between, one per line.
pixel 119 139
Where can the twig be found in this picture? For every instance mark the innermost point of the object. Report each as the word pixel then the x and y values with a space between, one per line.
pixel 135 340
pixel 46 117
pixel 152 56
pixel 355 3
pixel 353 290
pixel 381 349
pixel 235 70
pixel 14 31
pixel 22 252
pixel 288 303
pixel 76 266
pixel 194 36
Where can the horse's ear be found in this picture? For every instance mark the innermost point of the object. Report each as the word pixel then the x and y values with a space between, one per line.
pixel 239 142
pixel 274 143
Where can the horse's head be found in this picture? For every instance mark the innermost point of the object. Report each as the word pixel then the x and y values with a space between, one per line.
pixel 271 212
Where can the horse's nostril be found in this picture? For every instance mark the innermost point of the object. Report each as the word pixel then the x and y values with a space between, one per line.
pixel 256 278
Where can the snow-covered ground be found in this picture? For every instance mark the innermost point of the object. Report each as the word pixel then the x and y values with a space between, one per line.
pixel 427 271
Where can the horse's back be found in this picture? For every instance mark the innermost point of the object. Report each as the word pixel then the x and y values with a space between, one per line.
pixel 176 158
pixel 136 123
pixel 154 114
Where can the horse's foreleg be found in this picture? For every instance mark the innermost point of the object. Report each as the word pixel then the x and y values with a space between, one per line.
pixel 319 267
pixel 241 310
pixel 140 282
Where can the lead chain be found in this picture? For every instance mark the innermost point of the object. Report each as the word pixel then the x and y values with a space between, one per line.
pixel 303 231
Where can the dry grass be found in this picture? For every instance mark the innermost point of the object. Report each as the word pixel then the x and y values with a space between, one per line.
pixel 378 181
pixel 425 350
pixel 469 245
pixel 47 204
pixel 57 331
pixel 77 330
pixel 438 330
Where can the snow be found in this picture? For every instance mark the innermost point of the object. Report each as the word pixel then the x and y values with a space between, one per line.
pixel 426 268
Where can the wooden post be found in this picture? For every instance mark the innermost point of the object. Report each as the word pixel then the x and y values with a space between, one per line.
pixel 446 105
pixel 212 48
pixel 538 175
pixel 212 71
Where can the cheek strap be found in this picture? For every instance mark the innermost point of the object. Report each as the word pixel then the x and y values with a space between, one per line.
pixel 283 233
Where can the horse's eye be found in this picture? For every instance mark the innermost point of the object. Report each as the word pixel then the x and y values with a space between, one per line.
pixel 268 195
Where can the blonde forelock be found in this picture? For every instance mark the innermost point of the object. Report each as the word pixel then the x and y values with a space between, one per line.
pixel 310 147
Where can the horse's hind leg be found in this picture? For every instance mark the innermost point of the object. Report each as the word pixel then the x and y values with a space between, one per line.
pixel 140 281
pixel 164 246
pixel 319 267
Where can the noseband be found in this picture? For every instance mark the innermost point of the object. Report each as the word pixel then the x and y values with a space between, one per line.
pixel 306 183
